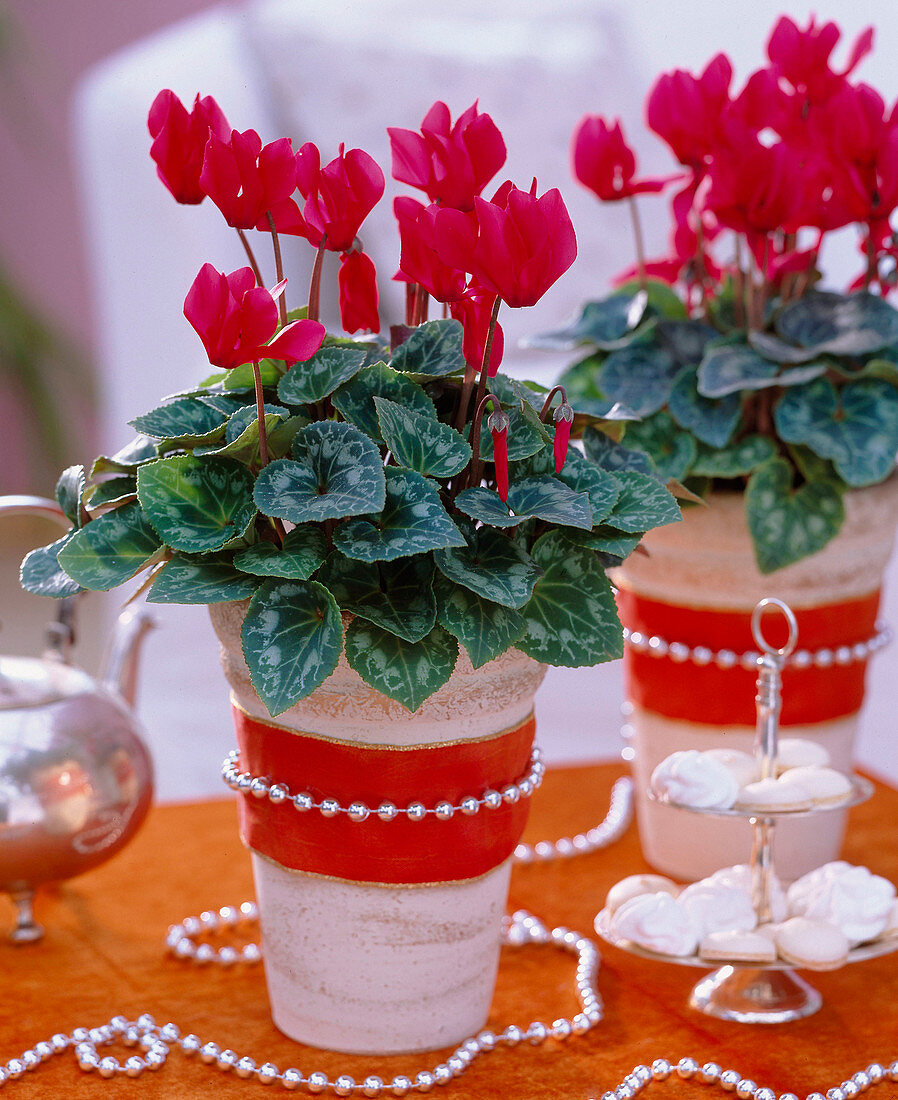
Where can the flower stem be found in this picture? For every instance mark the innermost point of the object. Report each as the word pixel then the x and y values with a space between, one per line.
pixel 638 238
pixel 260 413
pixel 547 404
pixel 476 466
pixel 278 266
pixel 252 259
pixel 872 271
pixel 487 352
pixel 315 285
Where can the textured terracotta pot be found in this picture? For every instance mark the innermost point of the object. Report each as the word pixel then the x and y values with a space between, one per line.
pixel 698 586
pixel 373 967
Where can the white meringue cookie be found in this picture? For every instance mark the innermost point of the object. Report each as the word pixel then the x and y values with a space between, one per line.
pixel 805 886
pixel 854 900
pixel 692 778
pixel 740 875
pixel 634 885
pixel 798 752
pixel 826 786
pixel 658 923
pixel 742 764
pixel 774 796
pixel 717 907
pixel 811 944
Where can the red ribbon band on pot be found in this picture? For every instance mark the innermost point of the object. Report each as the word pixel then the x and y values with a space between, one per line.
pixel 390 852
pixel 708 694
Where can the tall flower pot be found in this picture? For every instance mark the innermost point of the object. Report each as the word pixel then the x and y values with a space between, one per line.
pixel 690 675
pixel 383 936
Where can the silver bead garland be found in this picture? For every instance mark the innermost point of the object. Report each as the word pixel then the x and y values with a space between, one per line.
pixel 261 786
pixel 700 655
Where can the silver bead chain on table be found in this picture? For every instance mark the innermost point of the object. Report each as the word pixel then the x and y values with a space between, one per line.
pixel 656 646
pixel 616 822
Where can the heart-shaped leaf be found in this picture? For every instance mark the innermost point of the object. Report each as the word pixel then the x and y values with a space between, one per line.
pixel 789 524
pixel 687 340
pixel 196 505
pixel 408 672
pixel 309 382
pixel 184 581
pixel 578 473
pixel 484 628
pixel 302 553
pixel 711 420
pixel 605 324
pixel 549 499
pixel 855 426
pixel 69 491
pixel 114 491
pixel 433 350
pixel 421 443
pixel 643 504
pixel 241 380
pixel 292 638
pixel 640 377
pixel 183 419
pixel 735 460
pixel 110 549
pixel 613 456
pixel 139 451
pixel 245 447
pixel 605 540
pixel 413 521
pixel 839 324
pixel 571 618
pixel 397 596
pixel 729 368
pixel 239 421
pixel 226 405
pixel 355 399
pixel 671 450
pixel 42 574
pixel 492 566
pixel 337 472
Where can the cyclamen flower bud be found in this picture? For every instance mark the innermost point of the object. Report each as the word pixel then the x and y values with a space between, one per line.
pixel 564 419
pixel 498 422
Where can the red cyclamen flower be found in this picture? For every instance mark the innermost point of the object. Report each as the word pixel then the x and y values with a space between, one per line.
pixel 358 293
pixel 603 162
pixel 474 311
pixel 452 164
pixel 235 319
pixel 498 422
pixel 686 110
pixel 517 247
pixel 245 180
pixel 801 57
pixel 419 262
pixel 179 141
pixel 564 420
pixel 337 198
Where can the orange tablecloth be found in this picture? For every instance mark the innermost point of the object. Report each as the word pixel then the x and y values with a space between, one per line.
pixel 103 955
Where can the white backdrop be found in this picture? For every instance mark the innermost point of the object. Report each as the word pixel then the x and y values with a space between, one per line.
pixel 334 70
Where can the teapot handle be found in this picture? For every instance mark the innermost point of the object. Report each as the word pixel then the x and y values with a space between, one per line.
pixel 60 635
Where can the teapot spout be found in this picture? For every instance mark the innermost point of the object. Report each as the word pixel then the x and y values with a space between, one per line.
pixel 123 656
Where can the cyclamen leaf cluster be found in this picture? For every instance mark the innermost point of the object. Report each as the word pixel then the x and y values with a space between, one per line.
pixel 745 373
pixel 390 501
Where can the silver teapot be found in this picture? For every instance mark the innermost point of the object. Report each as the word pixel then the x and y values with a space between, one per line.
pixel 76 780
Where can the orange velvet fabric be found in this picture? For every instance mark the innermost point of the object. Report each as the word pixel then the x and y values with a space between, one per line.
pixel 103 955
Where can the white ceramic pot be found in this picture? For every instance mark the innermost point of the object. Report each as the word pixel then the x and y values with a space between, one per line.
pixel 706 563
pixel 366 967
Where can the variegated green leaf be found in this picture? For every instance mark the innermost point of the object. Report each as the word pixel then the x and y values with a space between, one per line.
pixel 605 324
pixel 731 367
pixel 735 460
pixel 571 618
pixel 711 420
pixel 484 628
pixel 492 566
pixel 640 377
pixel 643 504
pixel 114 491
pixel 355 398
pixel 337 471
pixel 397 596
pixel 610 455
pixel 197 505
pixel 671 449
pixel 42 574
pixel 309 382
pixel 69 492
pixel 839 324
pixel 182 419
pixel 413 521
pixel 139 451
pixel 183 581
pixel 421 443
pixel 433 350
pixel 302 553
pixel 292 638
pixel 408 672
pixel 789 524
pixel 110 549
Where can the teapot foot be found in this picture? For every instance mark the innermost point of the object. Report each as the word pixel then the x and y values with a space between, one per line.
pixel 27 930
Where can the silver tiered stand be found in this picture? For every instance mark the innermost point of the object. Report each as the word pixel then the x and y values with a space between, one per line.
pixel 774 993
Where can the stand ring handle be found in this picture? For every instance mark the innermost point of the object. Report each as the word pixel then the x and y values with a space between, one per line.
pixel 758 633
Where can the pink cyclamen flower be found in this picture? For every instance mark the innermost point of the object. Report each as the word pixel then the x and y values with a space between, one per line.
pixel 358 293
pixel 419 261
pixel 516 247
pixel 603 162
pixel 235 319
pixel 474 311
pixel 498 422
pixel 801 57
pixel 244 179
pixel 336 198
pixel 452 164
pixel 564 420
pixel 179 141
pixel 686 110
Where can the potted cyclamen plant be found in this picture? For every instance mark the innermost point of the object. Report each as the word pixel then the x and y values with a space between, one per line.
pixel 393 540
pixel 771 398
